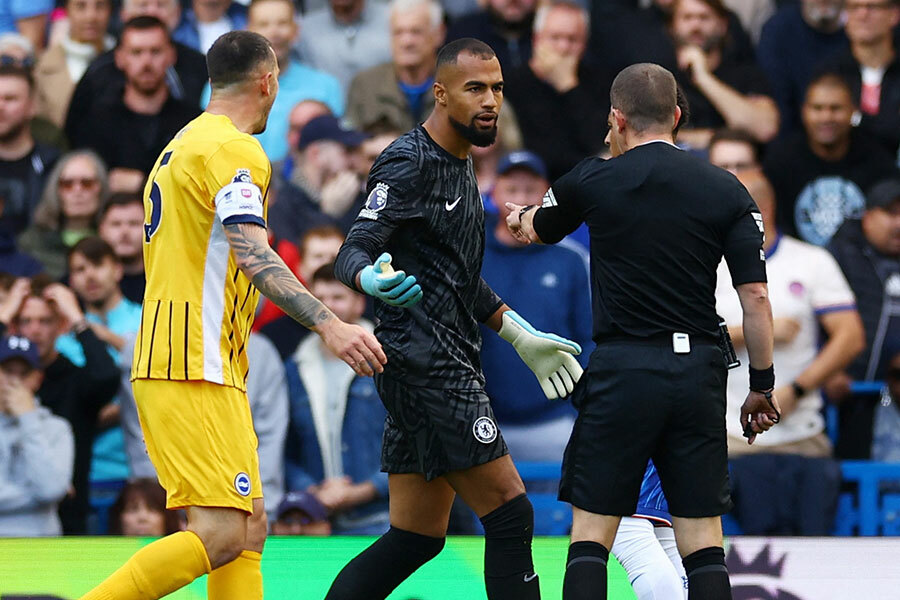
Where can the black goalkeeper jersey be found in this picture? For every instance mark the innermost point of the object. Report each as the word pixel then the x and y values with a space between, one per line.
pixel 424 208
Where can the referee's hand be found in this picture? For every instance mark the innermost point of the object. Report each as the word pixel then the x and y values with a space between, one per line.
pixel 758 415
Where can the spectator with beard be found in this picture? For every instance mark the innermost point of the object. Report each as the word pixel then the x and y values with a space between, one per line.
pixel 24 163
pixel 344 38
pixel 122 227
pixel 793 42
pixel 504 25
pixel 42 311
pixel 720 92
pixel 145 108
pixel 819 174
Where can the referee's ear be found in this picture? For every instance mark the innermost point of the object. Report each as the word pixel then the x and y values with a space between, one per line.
pixel 677 123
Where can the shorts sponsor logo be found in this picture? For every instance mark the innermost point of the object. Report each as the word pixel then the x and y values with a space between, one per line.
pixel 485 430
pixel 242 484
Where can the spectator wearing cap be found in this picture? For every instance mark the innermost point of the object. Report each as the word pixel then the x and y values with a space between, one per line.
pixel 42 311
pixel 344 38
pixel 399 93
pixel 297 82
pixel 36 447
pixel 300 513
pixel 561 101
pixel 324 189
pixel 787 483
pixel 550 284
pixel 336 424
pixel 868 251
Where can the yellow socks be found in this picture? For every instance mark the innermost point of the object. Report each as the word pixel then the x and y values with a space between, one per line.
pixel 241 579
pixel 156 570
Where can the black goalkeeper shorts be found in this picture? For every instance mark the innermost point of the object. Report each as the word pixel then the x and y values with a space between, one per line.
pixel 433 431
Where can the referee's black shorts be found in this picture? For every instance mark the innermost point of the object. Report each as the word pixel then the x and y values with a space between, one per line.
pixel 639 400
pixel 434 431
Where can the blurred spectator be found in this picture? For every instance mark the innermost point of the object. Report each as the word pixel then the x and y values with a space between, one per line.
pixel 872 68
pixel 324 190
pixel 819 174
pixel 548 284
pixel 345 38
pixel 720 92
pixel 27 17
pixel 301 513
pixel 12 261
pixel 122 227
pixel 793 42
pixel 104 82
pixel 399 93
pixel 886 438
pixel 486 159
pixel 68 211
pixel 206 20
pixel 787 483
pixel 94 275
pixel 36 447
pixel 63 64
pixel 144 108
pixel 456 9
pixel 561 102
pixel 868 251
pixel 318 247
pixel 41 311
pixel 140 510
pixel 733 150
pixel 23 162
pixel 276 21
pixel 505 26
pixel 337 419
pixel 301 114
pixel 753 14
pixel 380 137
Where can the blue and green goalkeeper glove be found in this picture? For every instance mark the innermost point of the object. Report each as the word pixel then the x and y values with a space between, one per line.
pixel 550 357
pixel 392 287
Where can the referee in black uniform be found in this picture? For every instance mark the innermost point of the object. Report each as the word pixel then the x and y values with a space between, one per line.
pixel 660 222
pixel 424 213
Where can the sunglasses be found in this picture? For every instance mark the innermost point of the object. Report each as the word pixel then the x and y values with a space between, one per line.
pixel 87 183
pixel 13 61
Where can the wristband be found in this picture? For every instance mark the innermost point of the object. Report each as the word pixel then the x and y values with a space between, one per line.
pixel 522 211
pixel 799 390
pixel 762 380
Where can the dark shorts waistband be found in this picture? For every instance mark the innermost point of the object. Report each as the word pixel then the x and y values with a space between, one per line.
pixel 661 339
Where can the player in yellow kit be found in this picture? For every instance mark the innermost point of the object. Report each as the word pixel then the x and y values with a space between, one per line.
pixel 207 258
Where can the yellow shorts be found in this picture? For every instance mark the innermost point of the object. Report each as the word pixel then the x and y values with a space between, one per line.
pixel 201 440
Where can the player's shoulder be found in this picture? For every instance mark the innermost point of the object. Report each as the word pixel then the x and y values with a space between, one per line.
pixel 400 163
pixel 216 137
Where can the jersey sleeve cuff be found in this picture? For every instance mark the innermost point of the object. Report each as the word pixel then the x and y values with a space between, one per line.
pixel 234 219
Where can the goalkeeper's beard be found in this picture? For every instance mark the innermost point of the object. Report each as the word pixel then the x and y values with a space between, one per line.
pixel 472 134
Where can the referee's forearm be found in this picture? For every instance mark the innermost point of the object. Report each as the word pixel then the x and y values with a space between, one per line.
pixel 758 329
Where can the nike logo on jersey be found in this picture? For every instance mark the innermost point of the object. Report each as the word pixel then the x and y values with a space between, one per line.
pixel 449 206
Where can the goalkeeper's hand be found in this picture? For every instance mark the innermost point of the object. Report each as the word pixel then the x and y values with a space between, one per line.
pixel 392 287
pixel 550 357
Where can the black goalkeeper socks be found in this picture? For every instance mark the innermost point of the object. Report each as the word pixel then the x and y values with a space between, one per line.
pixel 384 565
pixel 586 572
pixel 508 567
pixel 707 574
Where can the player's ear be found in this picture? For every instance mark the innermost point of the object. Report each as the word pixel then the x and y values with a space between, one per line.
pixel 440 93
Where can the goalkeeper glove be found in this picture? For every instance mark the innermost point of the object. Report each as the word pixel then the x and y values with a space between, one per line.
pixel 550 357
pixel 392 287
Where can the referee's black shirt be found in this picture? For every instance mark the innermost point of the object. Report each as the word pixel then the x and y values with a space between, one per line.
pixel 660 221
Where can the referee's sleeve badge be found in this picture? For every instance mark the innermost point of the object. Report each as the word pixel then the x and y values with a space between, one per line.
pixel 549 199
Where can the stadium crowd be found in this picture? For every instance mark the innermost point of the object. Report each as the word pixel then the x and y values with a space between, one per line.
pixel 798 99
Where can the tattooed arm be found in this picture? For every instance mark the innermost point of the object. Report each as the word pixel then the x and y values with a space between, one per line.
pixel 265 269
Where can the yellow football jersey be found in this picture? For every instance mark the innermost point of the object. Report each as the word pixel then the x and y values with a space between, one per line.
pixel 198 307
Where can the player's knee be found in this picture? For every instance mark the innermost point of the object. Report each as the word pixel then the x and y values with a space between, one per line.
pixel 257 529
pixel 507 537
pixel 224 540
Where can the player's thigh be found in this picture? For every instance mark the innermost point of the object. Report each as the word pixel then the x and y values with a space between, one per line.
pixel 649 569
pixel 488 486
pixel 201 441
pixel 418 505
pixel 696 534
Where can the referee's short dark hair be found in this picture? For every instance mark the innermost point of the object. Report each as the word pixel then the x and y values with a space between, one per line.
pixel 647 94
pixel 450 52
pixel 235 57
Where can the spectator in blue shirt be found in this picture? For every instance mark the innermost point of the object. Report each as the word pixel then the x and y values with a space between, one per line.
pixel 28 17
pixel 549 286
pixel 275 20
pixel 206 20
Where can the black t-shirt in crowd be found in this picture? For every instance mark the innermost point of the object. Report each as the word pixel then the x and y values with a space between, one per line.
pixel 660 221
pixel 133 287
pixel 746 78
pixel 815 196
pixel 424 208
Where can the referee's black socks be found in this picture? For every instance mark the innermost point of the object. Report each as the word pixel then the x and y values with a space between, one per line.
pixel 381 567
pixel 707 574
pixel 508 567
pixel 586 572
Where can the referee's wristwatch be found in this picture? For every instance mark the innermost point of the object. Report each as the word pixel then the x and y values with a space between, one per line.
pixel 524 210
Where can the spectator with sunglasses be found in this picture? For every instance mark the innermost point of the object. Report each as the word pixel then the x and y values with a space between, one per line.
pixel 68 211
